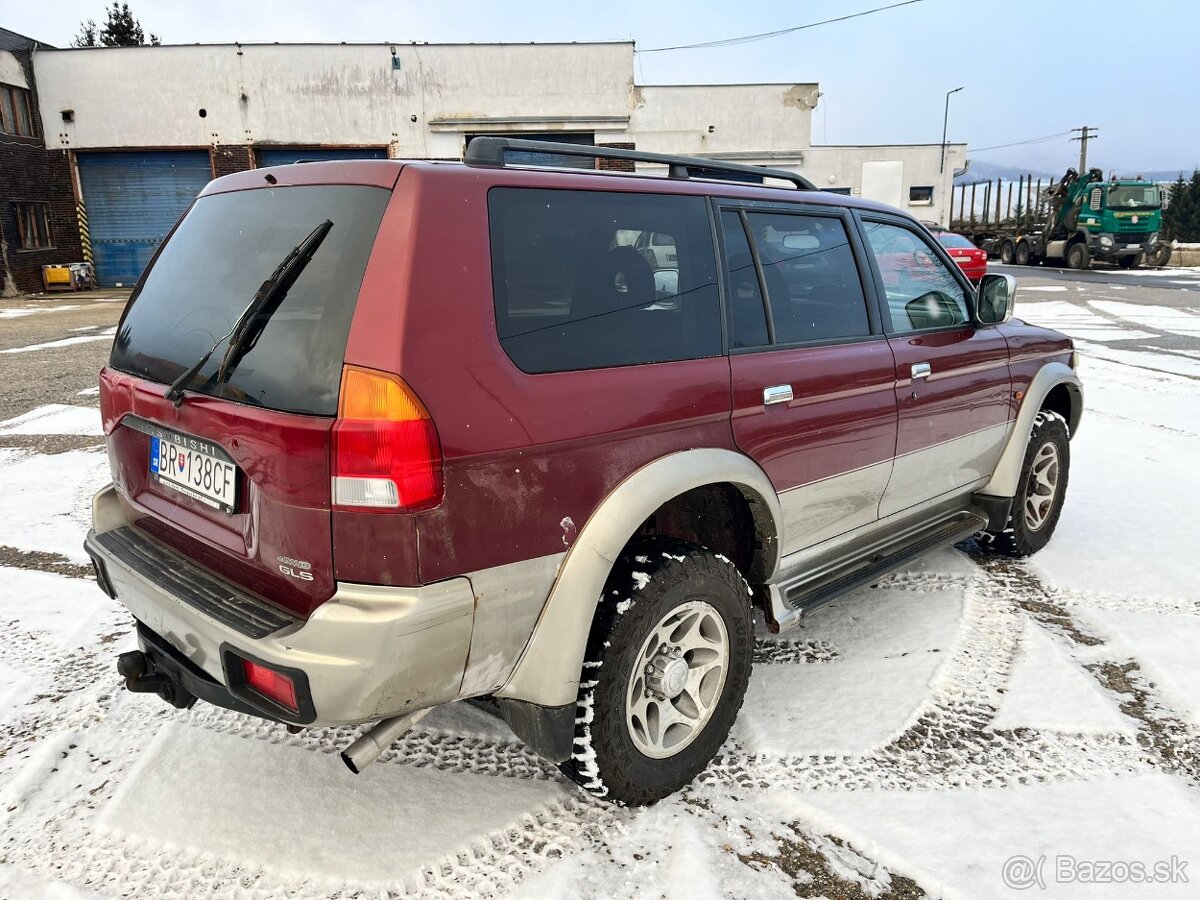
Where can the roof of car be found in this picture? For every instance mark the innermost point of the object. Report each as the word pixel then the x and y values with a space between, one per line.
pixel 385 172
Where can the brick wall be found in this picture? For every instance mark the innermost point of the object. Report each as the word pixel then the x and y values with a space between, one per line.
pixel 31 173
pixel 230 158
pixel 617 165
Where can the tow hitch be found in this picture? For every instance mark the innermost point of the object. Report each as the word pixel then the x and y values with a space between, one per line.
pixel 142 677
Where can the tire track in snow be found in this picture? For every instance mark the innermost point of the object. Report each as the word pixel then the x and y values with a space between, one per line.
pixel 948 744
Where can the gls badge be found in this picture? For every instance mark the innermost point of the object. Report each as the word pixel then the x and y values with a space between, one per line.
pixel 295 568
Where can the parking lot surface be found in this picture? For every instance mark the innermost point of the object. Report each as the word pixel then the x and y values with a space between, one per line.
pixel 957 729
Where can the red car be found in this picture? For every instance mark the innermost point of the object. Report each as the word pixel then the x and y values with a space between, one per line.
pixel 389 434
pixel 970 258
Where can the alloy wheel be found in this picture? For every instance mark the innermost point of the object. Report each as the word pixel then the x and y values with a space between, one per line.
pixel 677 683
pixel 1042 488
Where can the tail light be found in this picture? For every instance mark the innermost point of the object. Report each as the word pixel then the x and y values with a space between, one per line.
pixel 271 684
pixel 386 452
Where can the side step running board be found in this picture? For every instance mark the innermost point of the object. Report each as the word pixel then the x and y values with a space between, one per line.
pixel 799 595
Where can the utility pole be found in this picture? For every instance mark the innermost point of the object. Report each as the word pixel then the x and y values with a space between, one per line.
pixel 1086 133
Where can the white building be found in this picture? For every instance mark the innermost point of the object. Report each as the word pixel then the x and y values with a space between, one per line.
pixel 147 126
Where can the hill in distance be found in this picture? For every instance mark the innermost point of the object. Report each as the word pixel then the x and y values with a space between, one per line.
pixel 980 171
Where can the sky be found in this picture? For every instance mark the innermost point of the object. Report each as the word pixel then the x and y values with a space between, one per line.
pixel 1029 69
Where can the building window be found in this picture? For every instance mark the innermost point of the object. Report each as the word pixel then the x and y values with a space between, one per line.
pixel 921 196
pixel 33 225
pixel 16 112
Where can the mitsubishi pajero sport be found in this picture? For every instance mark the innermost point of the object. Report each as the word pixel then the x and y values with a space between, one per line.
pixel 389 434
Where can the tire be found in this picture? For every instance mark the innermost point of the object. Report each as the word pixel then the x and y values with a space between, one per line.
pixel 1078 256
pixel 1047 465
pixel 1160 255
pixel 1006 253
pixel 622 753
pixel 1023 257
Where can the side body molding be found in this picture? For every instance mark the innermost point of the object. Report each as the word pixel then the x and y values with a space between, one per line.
pixel 548 671
pixel 1007 474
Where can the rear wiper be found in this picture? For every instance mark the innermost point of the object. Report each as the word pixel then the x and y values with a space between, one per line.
pixel 253 319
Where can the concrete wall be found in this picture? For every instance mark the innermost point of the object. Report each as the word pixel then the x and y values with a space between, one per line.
pixel 724 120
pixel 329 94
pixel 425 104
pixel 842 167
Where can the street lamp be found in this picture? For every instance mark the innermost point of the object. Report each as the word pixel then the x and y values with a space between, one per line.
pixel 945 122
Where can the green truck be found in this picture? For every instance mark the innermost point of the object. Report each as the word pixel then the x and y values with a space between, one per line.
pixel 1078 219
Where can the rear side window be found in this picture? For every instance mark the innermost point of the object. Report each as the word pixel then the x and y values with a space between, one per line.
pixel 224 249
pixel 812 281
pixel 590 279
pixel 744 296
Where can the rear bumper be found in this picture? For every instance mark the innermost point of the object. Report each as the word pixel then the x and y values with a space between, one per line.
pixel 973 270
pixel 366 653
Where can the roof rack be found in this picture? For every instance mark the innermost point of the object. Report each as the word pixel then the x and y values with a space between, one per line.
pixel 489 152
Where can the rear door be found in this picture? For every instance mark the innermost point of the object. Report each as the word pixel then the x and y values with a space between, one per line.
pixel 813 398
pixel 952 377
pixel 237 476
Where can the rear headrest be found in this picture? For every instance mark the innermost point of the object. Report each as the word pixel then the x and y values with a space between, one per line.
pixel 615 279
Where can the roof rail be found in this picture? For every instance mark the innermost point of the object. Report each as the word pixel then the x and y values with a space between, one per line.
pixel 489 152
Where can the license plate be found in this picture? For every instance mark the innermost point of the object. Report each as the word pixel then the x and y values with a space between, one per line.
pixel 194 467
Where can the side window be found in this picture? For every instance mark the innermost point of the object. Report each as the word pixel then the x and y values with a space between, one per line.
pixel 921 292
pixel 590 279
pixel 811 279
pixel 16 112
pixel 749 318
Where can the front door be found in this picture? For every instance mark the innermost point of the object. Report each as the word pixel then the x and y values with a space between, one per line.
pixel 952 376
pixel 813 397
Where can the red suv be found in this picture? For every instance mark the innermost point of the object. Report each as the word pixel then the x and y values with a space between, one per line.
pixel 388 434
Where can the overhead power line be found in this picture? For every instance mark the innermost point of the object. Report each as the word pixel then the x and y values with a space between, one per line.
pixel 1038 140
pixel 762 36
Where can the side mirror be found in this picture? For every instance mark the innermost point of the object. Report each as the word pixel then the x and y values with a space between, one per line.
pixel 996 299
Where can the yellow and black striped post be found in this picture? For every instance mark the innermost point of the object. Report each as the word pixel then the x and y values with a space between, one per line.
pixel 85 239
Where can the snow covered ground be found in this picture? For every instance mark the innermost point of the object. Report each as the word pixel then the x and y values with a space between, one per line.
pixel 965 728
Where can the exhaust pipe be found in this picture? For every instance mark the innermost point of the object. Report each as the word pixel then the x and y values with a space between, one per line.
pixel 372 742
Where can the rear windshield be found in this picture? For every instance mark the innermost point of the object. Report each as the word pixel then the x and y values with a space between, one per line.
pixel 223 250
pixel 954 240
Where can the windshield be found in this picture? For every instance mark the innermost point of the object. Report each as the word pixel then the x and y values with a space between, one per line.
pixel 946 239
pixel 211 267
pixel 1133 195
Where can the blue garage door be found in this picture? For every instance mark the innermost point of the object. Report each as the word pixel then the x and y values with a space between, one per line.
pixel 283 156
pixel 133 200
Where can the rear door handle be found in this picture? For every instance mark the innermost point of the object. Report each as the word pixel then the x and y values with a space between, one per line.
pixel 778 393
pixel 921 370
